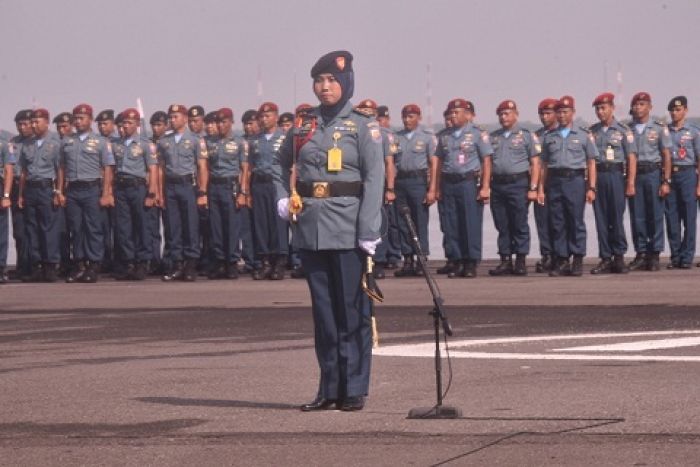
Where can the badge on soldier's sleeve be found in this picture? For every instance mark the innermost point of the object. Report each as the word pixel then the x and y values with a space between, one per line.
pixel 630 137
pixel 536 142
pixel 484 137
pixel 154 150
pixel 376 135
pixel 203 148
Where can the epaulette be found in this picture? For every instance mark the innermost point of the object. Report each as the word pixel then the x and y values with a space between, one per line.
pixel 428 130
pixel 585 129
pixel 477 127
pixel 660 123
pixel 359 112
pixel 624 126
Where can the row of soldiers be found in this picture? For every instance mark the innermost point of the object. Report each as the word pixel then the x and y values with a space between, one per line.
pixel 81 199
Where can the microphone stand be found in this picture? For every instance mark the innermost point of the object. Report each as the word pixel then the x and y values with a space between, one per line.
pixel 438 411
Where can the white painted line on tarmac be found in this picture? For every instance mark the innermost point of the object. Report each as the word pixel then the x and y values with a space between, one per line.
pixel 637 346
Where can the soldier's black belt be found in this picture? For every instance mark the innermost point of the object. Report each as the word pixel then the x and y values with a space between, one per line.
pixel 647 167
pixel 329 189
pixel 680 168
pixel 222 180
pixel 262 178
pixel 179 179
pixel 510 178
pixel 422 173
pixel 80 184
pixel 130 181
pixel 607 167
pixel 40 183
pixel 566 173
pixel 456 178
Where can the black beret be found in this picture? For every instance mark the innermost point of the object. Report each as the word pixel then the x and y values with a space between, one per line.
pixel 211 117
pixel 333 62
pixel 196 111
pixel 159 117
pixel 677 101
pixel 119 119
pixel 382 111
pixel 249 115
pixel 105 115
pixel 285 117
pixel 25 114
pixel 63 117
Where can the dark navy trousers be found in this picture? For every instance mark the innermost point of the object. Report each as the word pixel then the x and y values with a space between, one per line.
pixel 544 228
pixel 224 223
pixel 463 218
pixel 681 215
pixel 182 220
pixel 133 231
pixel 342 324
pixel 411 192
pixel 85 222
pixel 270 233
pixel 647 213
pixel 22 248
pixel 4 235
pixel 43 224
pixel 609 210
pixel 566 196
pixel 509 210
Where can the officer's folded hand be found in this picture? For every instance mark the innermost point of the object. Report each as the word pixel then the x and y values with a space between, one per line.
pixel 106 201
pixel 697 192
pixel 540 198
pixel 590 196
pixel 149 202
pixel 664 190
pixel 430 198
pixel 630 191
pixel 20 202
pixel 202 201
pixel 484 195
pixel 5 203
pixel 532 196
pixel 241 201
pixel 283 208
pixel 59 200
pixel 389 197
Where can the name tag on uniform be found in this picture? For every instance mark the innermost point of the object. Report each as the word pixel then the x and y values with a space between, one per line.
pixel 610 154
pixel 335 159
pixel 461 158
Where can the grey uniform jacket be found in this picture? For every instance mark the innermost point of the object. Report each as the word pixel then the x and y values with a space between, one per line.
pixel 337 223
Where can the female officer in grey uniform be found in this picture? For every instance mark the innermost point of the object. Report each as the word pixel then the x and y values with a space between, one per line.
pixel 340 178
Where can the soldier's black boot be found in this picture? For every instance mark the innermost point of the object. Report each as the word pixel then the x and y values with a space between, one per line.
pixel 140 271
pixel 604 267
pixel 232 270
pixel 639 262
pixel 217 270
pixel 77 273
pixel 37 274
pixel 505 268
pixel 277 273
pixel 449 266
pixel 50 272
pixel 124 273
pixel 189 271
pixel 457 270
pixel 576 269
pixel 653 262
pixel 3 275
pixel 175 273
pixel 559 267
pixel 545 264
pixel 90 275
pixel 469 270
pixel 263 272
pixel 379 271
pixel 408 269
pixel 619 266
pixel 520 268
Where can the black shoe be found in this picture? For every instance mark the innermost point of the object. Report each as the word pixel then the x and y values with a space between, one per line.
pixel 653 262
pixel 544 265
pixel 391 265
pixel 449 266
pixel 90 275
pixel 379 271
pixel 469 270
pixel 352 404
pixel 189 271
pixel 232 270
pixel 124 274
pixel 618 265
pixel 77 273
pixel 685 266
pixel 505 268
pixel 576 269
pixel 140 271
pixel 217 271
pixel 175 274
pixel 278 270
pixel 408 269
pixel 560 267
pixel 520 268
pixel 639 262
pixel 673 265
pixel 320 404
pixel 605 266
pixel 298 273
pixel 457 270
pixel 37 274
pixel 3 276
pixel 50 272
pixel 264 271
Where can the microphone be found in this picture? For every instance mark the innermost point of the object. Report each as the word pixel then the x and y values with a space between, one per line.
pixel 405 211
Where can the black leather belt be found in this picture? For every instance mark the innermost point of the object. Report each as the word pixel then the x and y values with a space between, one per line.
pixel 680 168
pixel 328 189
pixel 422 173
pixel 84 183
pixel 608 167
pixel 647 167
pixel 509 178
pixel 40 183
pixel 222 180
pixel 262 178
pixel 179 179
pixel 566 173
pixel 129 181
pixel 456 178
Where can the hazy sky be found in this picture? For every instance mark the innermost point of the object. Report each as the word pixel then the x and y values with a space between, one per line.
pixel 208 52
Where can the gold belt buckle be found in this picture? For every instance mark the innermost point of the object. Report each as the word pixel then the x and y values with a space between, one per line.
pixel 675 168
pixel 321 190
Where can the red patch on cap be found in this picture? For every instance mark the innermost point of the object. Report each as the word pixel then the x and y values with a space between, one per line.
pixel 340 63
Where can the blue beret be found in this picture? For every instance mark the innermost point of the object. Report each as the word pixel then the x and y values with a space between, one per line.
pixel 333 62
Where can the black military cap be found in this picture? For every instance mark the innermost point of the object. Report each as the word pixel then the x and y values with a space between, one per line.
pixel 382 111
pixel 119 119
pixel 338 61
pixel 285 117
pixel 159 117
pixel 678 101
pixel 211 117
pixel 105 115
pixel 25 114
pixel 63 117
pixel 249 115
pixel 195 111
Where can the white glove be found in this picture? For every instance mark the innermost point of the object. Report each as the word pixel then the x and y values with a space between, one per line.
pixel 283 208
pixel 369 246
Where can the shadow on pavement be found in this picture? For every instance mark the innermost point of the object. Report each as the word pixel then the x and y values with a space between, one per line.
pixel 97 429
pixel 184 402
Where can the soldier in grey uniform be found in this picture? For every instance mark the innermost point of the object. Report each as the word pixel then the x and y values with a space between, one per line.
pixel 548 118
pixel 23 122
pixel 340 176
pixel 64 128
pixel 159 127
pixel 107 127
pixel 7 162
pixel 514 182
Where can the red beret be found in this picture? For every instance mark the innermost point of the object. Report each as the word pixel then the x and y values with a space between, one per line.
pixel 83 109
pixel 460 104
pixel 303 109
pixel 547 104
pixel 130 114
pixel 410 109
pixel 268 107
pixel 605 98
pixel 641 96
pixel 224 112
pixel 566 102
pixel 177 108
pixel 41 113
pixel 367 104
pixel 506 105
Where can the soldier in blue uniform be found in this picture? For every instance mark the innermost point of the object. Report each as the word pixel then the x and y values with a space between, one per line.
pixel 415 184
pixel 548 118
pixel 211 129
pixel 136 192
pixel 64 128
pixel 449 264
pixel 465 185
pixel 270 234
pixel 615 144
pixel 85 175
pixel 39 162
pixel 106 126
pixel 196 123
pixel 681 203
pixel 23 122
pixel 285 121
pixel 159 127
pixel 340 177
pixel 251 129
pixel 567 153
pixel 514 182
pixel 182 154
pixel 7 162
pixel 653 145
pixel 228 192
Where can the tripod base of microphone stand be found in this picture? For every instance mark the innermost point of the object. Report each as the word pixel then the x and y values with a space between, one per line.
pixel 435 412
